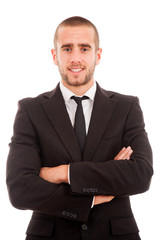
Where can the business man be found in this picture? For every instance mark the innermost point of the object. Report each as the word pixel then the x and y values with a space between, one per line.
pixel 79 151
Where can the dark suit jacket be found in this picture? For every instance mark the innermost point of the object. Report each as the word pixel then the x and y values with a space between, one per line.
pixel 43 136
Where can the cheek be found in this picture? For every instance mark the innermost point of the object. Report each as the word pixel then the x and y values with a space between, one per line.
pixel 93 61
pixel 62 63
pixel 62 59
pixel 92 58
pixel 89 60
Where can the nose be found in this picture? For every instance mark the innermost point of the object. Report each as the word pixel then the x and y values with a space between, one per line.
pixel 75 57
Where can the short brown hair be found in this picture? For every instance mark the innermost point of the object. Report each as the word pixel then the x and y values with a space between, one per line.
pixel 74 22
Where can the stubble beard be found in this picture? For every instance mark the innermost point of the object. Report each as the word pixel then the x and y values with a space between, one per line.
pixel 78 82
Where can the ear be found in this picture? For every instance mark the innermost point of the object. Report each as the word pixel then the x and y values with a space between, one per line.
pixel 54 55
pixel 98 57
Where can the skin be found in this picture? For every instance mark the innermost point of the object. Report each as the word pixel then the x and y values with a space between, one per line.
pixel 76 57
pixel 75 50
pixel 59 174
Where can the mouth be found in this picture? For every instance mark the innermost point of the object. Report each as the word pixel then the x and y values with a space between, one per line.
pixel 76 70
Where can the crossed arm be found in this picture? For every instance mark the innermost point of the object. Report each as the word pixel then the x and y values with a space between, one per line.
pixel 59 174
pixel 40 189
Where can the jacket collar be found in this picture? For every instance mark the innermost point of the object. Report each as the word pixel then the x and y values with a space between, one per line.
pixel 104 107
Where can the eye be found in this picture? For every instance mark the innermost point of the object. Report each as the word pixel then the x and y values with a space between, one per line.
pixel 67 49
pixel 84 49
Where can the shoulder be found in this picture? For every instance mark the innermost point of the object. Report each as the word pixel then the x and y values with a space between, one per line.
pixel 124 102
pixel 37 100
pixel 119 96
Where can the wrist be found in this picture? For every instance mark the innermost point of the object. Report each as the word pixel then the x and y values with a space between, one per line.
pixel 64 173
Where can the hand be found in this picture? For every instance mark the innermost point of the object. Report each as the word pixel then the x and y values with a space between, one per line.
pixel 57 174
pixel 102 199
pixel 125 153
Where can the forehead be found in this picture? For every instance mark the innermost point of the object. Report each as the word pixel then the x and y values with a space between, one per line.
pixel 76 35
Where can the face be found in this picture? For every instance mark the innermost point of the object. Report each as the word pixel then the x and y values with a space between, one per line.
pixel 76 55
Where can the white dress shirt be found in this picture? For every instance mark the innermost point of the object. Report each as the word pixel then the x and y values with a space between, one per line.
pixel 71 107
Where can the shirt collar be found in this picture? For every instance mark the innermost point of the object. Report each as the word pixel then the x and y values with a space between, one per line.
pixel 67 94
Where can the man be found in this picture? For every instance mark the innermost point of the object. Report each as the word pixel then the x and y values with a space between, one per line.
pixel 78 185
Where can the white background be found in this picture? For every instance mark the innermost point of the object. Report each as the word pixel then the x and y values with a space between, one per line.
pixel 130 38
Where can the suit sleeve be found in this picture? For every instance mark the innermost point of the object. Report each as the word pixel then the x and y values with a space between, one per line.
pixel 122 177
pixel 26 189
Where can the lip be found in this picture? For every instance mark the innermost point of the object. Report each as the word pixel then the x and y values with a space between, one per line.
pixel 76 70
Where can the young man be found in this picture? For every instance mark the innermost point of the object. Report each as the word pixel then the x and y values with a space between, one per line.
pixel 78 152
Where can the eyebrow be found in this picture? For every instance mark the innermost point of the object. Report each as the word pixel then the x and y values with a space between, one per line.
pixel 80 45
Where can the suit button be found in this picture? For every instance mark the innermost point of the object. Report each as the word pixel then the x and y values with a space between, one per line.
pixel 68 214
pixel 84 227
pixel 64 213
pixel 88 190
pixel 74 216
pixel 91 190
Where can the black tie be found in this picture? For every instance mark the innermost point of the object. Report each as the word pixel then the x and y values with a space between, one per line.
pixel 79 125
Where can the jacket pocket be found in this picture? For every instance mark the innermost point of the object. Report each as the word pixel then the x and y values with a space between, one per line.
pixel 40 227
pixel 123 226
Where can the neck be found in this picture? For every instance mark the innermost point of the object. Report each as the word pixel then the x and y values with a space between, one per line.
pixel 79 90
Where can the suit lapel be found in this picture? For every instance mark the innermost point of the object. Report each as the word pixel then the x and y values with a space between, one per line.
pixel 102 112
pixel 56 112
pixel 55 109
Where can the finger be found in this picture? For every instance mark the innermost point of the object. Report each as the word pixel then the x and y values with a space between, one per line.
pixel 124 153
pixel 118 156
pixel 128 153
pixel 110 198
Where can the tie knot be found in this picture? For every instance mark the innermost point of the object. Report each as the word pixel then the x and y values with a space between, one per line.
pixel 79 100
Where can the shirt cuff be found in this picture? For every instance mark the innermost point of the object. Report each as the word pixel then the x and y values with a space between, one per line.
pixel 92 202
pixel 69 181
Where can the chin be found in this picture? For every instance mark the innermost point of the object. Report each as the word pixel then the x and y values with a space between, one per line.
pixel 77 83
